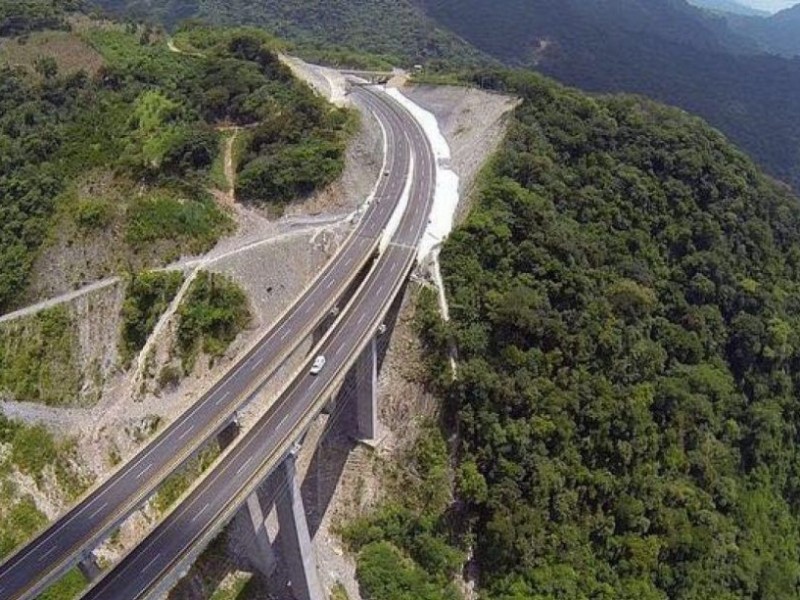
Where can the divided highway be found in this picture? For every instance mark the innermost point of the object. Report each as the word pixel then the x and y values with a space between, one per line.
pixel 64 542
pixel 220 493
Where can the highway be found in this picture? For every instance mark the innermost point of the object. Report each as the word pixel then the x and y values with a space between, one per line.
pixel 56 549
pixel 217 497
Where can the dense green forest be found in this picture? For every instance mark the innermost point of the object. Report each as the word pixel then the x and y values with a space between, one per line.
pixel 145 120
pixel 624 299
pixel 349 32
pixel 664 49
pixel 23 16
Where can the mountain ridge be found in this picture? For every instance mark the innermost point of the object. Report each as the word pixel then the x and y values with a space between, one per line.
pixel 730 6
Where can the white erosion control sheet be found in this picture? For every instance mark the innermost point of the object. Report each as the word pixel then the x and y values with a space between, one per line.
pixel 445 201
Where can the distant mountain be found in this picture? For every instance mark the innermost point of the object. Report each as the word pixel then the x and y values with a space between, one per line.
pixel 777 34
pixel 729 6
pixel 665 49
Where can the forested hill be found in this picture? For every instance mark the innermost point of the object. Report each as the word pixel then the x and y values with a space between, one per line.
pixel 110 143
pixel 625 301
pixel 21 16
pixel 663 49
pixel 778 33
pixel 396 31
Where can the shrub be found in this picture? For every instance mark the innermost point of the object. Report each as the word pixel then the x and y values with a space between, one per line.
pixel 148 296
pixel 212 315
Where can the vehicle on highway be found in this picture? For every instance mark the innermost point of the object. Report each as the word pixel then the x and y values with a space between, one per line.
pixel 319 364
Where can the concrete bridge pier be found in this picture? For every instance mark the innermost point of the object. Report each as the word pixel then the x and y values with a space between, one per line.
pixel 259 545
pixel 89 568
pixel 296 547
pixel 366 393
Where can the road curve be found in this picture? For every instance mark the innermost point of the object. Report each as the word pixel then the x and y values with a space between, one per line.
pixel 215 499
pixel 27 572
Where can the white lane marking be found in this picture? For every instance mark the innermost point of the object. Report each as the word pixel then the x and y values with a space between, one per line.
pixel 152 562
pixel 330 284
pixel 185 433
pixel 98 511
pixel 200 513
pixel 255 366
pixel 361 318
pixel 145 470
pixel 48 553
pixel 286 416
pixel 244 466
pixel 349 260
pixel 380 289
pixel 222 398
pixel 286 334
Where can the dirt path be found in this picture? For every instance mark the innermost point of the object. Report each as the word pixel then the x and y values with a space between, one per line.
pixel 62 299
pixel 230 170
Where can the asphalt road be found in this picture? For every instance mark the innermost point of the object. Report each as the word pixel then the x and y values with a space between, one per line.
pixel 62 544
pixel 223 490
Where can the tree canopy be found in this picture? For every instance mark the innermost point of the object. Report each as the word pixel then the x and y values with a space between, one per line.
pixel 148 122
pixel 624 298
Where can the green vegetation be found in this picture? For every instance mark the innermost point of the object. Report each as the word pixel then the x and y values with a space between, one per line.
pixel 357 34
pixel 218 176
pixel 20 522
pixel 237 590
pixel 148 296
pixel 667 50
pixel 70 586
pixel 93 214
pixel 385 574
pixel 23 16
pixel 175 485
pixel 38 358
pixel 163 216
pixel 213 313
pixel 339 592
pixel 405 549
pixel 142 120
pixel 33 451
pixel 624 301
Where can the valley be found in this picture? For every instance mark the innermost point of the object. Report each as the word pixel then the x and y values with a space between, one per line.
pixel 587 385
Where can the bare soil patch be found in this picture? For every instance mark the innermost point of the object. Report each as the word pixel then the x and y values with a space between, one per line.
pixel 69 51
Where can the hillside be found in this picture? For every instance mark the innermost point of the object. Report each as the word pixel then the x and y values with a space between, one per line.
pixel 108 143
pixel 23 16
pixel 664 49
pixel 730 7
pixel 392 32
pixel 777 34
pixel 624 303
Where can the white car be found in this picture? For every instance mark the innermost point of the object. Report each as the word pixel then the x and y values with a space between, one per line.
pixel 318 365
